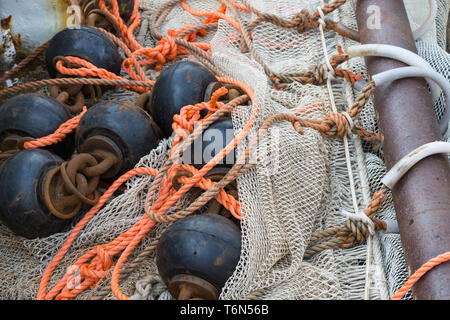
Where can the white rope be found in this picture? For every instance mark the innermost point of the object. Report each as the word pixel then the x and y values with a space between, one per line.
pixel 411 159
pixel 407 72
pixel 330 74
pixel 373 243
pixel 149 288
pixel 358 215
pixel 349 119
pixel 396 53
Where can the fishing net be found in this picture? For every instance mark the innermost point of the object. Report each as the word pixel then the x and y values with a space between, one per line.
pixel 300 185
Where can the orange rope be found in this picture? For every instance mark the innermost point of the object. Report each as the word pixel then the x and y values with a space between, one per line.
pixel 63 130
pixel 89 70
pixel 100 255
pixel 420 273
pixel 183 125
pixel 138 56
pixel 97 263
pixel 239 6
pixel 215 16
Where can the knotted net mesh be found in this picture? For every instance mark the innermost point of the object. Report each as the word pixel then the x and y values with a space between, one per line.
pixel 300 185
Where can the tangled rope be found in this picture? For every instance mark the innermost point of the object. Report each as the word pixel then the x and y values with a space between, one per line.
pixel 137 56
pixel 101 257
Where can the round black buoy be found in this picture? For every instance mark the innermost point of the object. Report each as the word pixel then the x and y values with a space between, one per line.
pixel 86 43
pixel 120 128
pixel 215 138
pixel 197 255
pixel 33 116
pixel 183 83
pixel 22 207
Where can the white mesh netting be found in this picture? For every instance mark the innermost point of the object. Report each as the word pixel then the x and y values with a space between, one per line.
pixel 300 187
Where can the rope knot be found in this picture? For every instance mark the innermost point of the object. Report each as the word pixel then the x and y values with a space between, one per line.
pixel 317 75
pixel 338 125
pixel 302 21
pixel 104 257
pixel 358 231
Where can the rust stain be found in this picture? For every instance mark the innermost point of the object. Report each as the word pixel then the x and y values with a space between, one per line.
pixel 188 77
pixel 6 23
pixel 218 261
pixel 60 13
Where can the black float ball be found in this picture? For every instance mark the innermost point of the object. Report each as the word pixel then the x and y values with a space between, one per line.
pixel 215 138
pixel 35 116
pixel 204 247
pixel 22 208
pixel 86 43
pixel 125 129
pixel 183 83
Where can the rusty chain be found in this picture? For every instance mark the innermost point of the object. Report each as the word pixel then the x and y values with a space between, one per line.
pixel 68 186
pixel 11 145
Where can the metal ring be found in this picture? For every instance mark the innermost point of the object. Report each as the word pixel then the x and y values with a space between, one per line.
pixel 48 201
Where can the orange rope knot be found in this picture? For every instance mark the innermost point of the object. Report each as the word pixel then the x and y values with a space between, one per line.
pixel 338 125
pixel 183 125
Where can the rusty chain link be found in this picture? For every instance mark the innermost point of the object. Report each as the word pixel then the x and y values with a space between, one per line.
pixel 74 183
pixel 11 145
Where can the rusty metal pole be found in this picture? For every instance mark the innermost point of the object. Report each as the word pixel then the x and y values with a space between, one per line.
pixel 406 119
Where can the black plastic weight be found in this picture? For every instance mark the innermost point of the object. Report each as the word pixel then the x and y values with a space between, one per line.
pixel 35 116
pixel 181 84
pixel 127 131
pixel 86 43
pixel 22 207
pixel 216 137
pixel 202 247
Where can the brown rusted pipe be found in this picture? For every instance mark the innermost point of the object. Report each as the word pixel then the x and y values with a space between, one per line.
pixel 407 120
